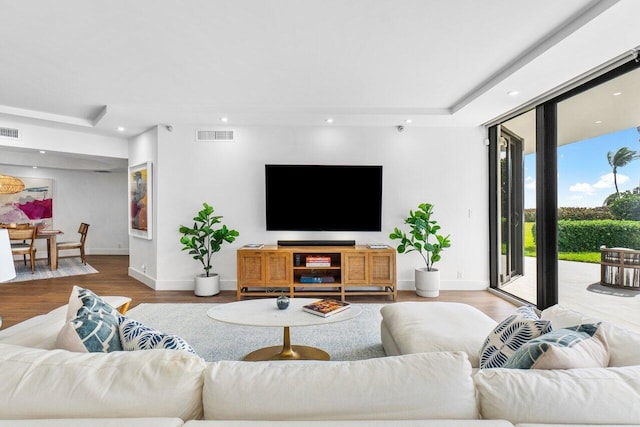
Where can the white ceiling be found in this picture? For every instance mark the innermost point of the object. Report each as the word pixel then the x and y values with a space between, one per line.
pixel 99 65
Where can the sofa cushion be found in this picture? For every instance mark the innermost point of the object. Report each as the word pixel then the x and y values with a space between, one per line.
pixel 38 383
pixel 624 344
pixel 417 327
pixel 352 423
pixel 136 336
pixel 575 347
pixel 575 425
pixel 570 396
pixel 91 332
pixel 95 422
pixel 415 386
pixel 510 335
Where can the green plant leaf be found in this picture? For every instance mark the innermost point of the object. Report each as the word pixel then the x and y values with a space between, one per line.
pixel 422 231
pixel 202 240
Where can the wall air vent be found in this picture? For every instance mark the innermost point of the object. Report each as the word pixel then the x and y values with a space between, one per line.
pixel 9 133
pixel 213 135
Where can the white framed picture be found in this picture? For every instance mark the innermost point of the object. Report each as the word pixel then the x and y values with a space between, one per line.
pixel 140 200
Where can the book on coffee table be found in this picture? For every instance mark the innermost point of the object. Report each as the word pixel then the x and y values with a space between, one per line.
pixel 326 307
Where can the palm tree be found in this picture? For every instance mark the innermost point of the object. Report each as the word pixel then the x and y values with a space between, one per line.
pixel 620 158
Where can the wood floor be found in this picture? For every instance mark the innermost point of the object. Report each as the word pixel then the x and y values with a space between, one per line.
pixel 22 300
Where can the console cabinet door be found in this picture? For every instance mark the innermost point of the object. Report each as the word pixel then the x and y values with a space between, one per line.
pixel 251 268
pixel 355 268
pixel 382 268
pixel 278 268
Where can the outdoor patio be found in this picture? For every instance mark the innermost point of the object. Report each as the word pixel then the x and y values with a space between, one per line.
pixel 579 289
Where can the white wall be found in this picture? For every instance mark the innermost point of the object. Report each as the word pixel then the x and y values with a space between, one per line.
pixel 99 199
pixel 143 253
pixel 65 140
pixel 443 166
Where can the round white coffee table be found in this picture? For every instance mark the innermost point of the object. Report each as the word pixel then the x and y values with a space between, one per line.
pixel 265 312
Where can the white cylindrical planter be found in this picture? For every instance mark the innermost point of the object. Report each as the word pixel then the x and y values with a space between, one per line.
pixel 427 282
pixel 207 286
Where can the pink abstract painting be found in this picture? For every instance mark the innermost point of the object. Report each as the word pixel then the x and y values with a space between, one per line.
pixel 34 204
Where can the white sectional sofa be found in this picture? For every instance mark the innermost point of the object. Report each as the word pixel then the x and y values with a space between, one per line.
pixel 42 386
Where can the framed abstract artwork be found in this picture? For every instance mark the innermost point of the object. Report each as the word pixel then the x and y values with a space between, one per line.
pixel 140 203
pixel 32 205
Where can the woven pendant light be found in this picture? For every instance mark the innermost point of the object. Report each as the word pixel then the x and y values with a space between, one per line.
pixel 10 185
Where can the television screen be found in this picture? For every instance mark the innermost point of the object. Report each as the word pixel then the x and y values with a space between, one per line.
pixel 323 198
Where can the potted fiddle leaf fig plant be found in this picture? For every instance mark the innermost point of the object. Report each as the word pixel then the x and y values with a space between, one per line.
pixel 202 241
pixel 425 239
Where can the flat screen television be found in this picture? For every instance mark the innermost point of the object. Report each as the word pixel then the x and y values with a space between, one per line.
pixel 323 197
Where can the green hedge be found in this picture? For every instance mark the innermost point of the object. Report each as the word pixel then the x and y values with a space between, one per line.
pixel 574 214
pixel 588 236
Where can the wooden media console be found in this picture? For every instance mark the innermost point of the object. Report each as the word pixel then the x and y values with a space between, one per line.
pixel 316 271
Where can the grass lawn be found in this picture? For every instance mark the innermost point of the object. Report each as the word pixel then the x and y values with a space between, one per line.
pixel 530 249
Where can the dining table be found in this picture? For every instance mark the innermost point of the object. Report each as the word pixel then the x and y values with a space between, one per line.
pixel 52 252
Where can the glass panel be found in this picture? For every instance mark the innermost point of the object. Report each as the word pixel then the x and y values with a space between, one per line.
pixel 516 205
pixel 599 201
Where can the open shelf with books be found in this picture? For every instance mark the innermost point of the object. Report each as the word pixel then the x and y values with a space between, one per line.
pixel 333 271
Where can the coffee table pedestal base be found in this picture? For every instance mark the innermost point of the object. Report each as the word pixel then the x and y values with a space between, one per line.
pixel 287 352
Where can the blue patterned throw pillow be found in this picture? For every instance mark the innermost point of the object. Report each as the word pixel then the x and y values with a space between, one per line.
pixel 81 297
pixel 136 336
pixel 581 346
pixel 92 332
pixel 511 334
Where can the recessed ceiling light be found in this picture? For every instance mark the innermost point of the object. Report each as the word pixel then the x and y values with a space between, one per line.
pixel 42 151
pixel 513 93
pixel 224 119
pixel 617 93
pixel 120 129
pixel 598 122
pixel 35 167
pixel 408 121
pixel 329 120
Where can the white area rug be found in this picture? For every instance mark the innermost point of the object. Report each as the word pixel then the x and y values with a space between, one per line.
pixel 66 267
pixel 354 339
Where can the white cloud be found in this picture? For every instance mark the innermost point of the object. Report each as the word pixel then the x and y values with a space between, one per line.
pixel 606 181
pixel 582 187
pixel 529 183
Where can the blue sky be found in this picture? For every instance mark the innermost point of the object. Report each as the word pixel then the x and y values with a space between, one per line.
pixel 584 175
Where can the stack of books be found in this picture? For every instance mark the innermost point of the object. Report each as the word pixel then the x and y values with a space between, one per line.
pixel 317 279
pixel 318 261
pixel 326 307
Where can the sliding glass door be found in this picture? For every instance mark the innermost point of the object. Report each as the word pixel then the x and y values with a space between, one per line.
pixel 512 147
pixel 564 177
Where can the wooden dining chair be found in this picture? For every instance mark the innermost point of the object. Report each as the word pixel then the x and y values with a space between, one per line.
pixel 63 246
pixel 26 245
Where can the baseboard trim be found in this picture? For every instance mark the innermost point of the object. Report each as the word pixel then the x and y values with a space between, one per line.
pixel 142 277
pixel 448 285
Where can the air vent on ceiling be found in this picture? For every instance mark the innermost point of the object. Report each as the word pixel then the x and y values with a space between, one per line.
pixel 10 133
pixel 211 135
